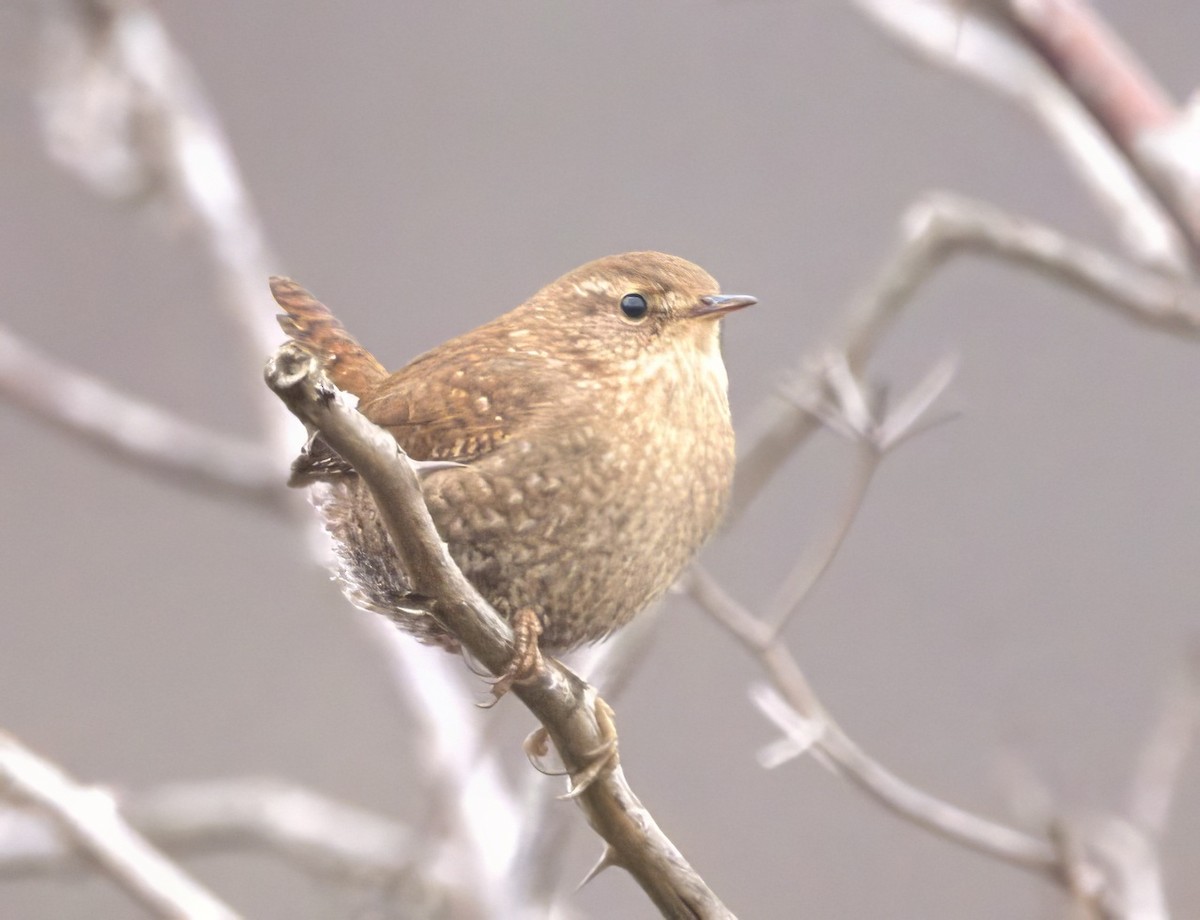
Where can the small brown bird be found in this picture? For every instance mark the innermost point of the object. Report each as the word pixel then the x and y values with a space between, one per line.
pixel 588 444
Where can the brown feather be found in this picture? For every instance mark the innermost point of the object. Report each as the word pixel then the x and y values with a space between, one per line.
pixel 309 322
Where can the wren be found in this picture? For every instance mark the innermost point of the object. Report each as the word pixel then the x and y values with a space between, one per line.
pixel 586 438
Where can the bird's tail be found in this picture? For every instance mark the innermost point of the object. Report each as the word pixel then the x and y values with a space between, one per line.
pixel 309 322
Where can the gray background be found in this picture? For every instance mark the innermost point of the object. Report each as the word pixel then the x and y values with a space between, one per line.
pixel 1020 581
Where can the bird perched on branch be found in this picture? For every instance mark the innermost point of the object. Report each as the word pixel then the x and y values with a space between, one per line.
pixel 586 441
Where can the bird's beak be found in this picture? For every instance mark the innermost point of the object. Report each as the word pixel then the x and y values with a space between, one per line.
pixel 717 305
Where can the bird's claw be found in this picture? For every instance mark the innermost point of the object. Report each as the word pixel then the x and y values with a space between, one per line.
pixel 526 661
pixel 601 761
pixel 604 759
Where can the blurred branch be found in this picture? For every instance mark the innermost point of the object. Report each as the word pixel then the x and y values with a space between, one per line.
pixel 136 432
pixel 1161 758
pixel 572 713
pixel 322 836
pixel 1124 98
pixel 821 734
pixel 941 225
pixel 90 820
pixel 813 727
pixel 936 227
pixel 846 407
pixel 1109 866
pixel 970 39
pixel 1127 859
pixel 471 811
pixel 122 110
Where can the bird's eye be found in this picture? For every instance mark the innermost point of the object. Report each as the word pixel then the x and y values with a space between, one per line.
pixel 634 306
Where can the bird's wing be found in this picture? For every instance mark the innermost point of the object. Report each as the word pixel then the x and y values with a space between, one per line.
pixel 465 398
pixel 458 402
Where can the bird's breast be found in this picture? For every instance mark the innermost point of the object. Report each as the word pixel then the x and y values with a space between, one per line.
pixel 592 514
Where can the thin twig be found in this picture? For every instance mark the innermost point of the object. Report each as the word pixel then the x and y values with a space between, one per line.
pixel 567 707
pixel 322 836
pixel 1161 759
pixel 469 804
pixel 123 110
pixel 1127 859
pixel 799 582
pixel 850 761
pixel 941 225
pixel 933 229
pixel 91 820
pixel 135 432
pixel 851 411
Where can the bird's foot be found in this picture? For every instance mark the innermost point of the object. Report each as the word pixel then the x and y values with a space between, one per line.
pixel 526 661
pixel 601 761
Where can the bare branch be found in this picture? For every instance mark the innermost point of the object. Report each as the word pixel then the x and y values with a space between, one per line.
pixel 122 109
pixel 963 37
pixel 936 227
pixel 819 731
pixel 90 818
pixel 941 224
pixel 1162 756
pixel 321 835
pixel 469 803
pixel 852 412
pixel 136 432
pixel 537 869
pixel 1123 97
pixel 800 735
pixel 1132 888
pixel 817 558
pixel 567 707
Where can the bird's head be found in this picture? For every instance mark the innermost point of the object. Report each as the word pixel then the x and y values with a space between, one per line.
pixel 620 307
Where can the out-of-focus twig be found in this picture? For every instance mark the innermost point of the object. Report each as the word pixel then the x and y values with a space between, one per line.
pixel 1161 759
pixel 90 819
pixel 822 735
pixel 322 836
pixel 1128 863
pixel 470 808
pixel 1108 866
pixel 814 728
pixel 122 109
pixel 933 229
pixel 136 432
pixel 1123 97
pixel 971 39
pixel 846 407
